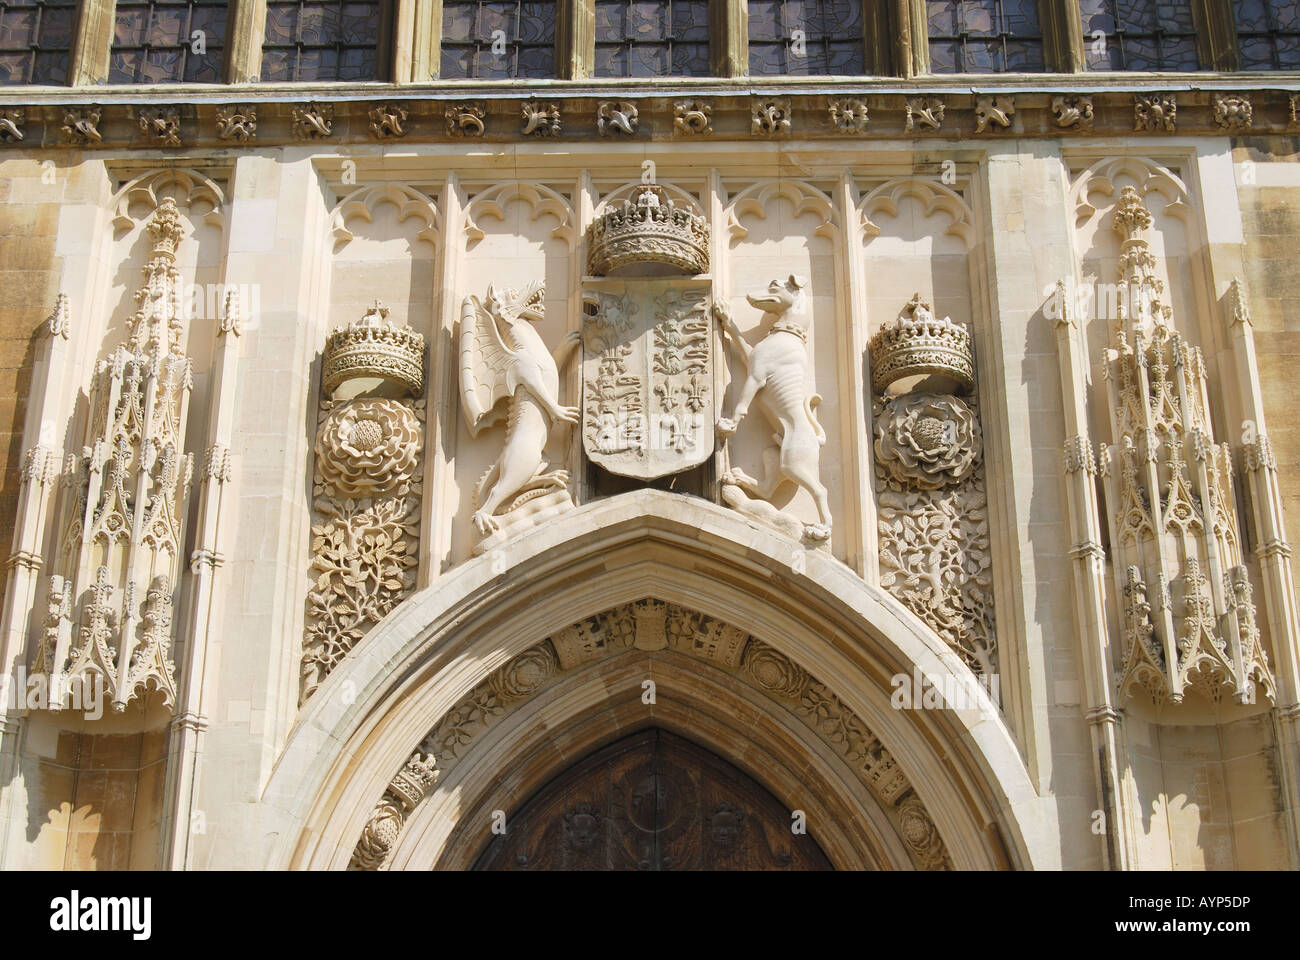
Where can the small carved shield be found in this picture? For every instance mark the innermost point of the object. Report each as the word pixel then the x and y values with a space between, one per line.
pixel 647 377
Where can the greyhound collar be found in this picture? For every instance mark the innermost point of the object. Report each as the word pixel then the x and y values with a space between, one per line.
pixel 789 326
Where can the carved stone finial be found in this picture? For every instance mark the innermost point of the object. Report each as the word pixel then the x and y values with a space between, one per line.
pixel 165 229
pixel 917 344
pixel 540 119
pixel 1237 303
pixel 160 124
pixel 1131 215
pixel 237 123
pixel 387 121
pixel 692 118
pixel 993 110
pixel 465 119
pixel 770 118
pixel 1155 111
pixel 849 116
pixel 615 118
pixel 12 120
pixel 373 354
pixel 649 228
pixel 923 112
pixel 1073 112
pixel 81 125
pixel 314 121
pixel 1233 112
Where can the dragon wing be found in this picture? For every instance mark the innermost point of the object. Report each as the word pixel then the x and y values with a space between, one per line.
pixel 485 365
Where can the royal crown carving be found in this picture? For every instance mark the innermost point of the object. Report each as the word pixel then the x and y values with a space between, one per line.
pixel 374 349
pixel 920 344
pixel 648 228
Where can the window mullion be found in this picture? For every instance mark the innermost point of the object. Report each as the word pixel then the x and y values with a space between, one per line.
pixel 729 37
pixel 575 39
pixel 912 40
pixel 1062 24
pixel 92 43
pixel 1216 35
pixel 244 35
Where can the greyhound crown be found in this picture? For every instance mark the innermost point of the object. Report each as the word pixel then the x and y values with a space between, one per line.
pixel 648 228
pixel 918 343
pixel 374 348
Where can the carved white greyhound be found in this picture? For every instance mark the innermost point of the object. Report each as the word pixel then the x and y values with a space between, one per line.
pixel 777 375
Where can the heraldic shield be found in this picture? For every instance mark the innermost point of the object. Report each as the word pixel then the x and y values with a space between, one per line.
pixel 648 376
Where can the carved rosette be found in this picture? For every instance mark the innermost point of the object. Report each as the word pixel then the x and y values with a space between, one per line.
pixel 367 448
pixel 927 441
pixel 620 632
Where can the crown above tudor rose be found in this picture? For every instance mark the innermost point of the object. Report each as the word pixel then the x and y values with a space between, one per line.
pixel 648 229
pixel 921 346
pixel 373 357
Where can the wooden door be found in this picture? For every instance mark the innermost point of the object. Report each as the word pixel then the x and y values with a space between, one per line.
pixel 652 801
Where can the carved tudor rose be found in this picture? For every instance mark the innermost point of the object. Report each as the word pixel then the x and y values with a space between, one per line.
pixel 927 440
pixel 367 448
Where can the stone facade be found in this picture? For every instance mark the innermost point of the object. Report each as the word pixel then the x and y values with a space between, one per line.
pixel 366 460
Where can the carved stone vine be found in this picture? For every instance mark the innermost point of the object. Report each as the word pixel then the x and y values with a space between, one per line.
pixel 366 490
pixel 651 624
pixel 932 510
pixel 932 519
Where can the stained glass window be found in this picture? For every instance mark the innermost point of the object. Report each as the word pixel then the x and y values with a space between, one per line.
pixel 168 42
pixel 486 39
pixel 1268 34
pixel 806 37
pixel 1138 35
pixel 984 36
pixel 322 41
pixel 652 38
pixel 34 41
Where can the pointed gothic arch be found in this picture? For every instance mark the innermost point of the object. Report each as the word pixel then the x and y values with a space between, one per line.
pixel 431 654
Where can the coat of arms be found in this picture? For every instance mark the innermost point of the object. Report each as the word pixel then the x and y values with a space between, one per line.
pixel 647 377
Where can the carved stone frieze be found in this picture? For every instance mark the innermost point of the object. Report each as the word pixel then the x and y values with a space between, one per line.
pixel 1233 112
pixel 388 121
pixel 1155 111
pixel 923 112
pixel 770 118
pixel 1073 111
pixel 849 116
pixel 993 110
pixel 652 624
pixel 81 126
pixel 775 372
pixel 692 118
pixel 160 125
pixel 12 122
pixel 540 119
pixel 648 379
pixel 616 118
pixel 313 121
pixel 465 119
pixel 237 123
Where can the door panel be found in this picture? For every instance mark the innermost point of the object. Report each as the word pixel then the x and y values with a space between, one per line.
pixel 652 801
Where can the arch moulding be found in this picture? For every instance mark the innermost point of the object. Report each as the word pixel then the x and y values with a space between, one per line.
pixel 455 636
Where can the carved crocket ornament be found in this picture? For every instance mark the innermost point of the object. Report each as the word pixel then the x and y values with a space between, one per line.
pixel 778 379
pixel 506 369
